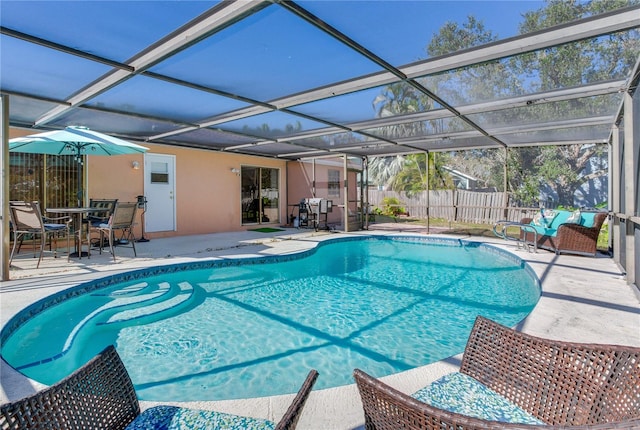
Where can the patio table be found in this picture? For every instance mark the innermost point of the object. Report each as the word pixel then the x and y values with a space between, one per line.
pixel 77 214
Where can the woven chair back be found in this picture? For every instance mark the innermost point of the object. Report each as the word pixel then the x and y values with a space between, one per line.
pixel 99 395
pixel 561 383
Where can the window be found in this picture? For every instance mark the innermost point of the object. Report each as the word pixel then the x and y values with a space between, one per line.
pixel 159 173
pixel 52 180
pixel 333 183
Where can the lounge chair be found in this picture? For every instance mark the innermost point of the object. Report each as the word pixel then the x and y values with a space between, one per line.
pixel 560 231
pixel 562 235
pixel 100 395
pixel 521 379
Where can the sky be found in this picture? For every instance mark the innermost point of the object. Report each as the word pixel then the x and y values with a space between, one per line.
pixel 413 23
pixel 123 26
pixel 271 54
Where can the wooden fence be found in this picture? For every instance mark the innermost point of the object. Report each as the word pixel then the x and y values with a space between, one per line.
pixel 455 205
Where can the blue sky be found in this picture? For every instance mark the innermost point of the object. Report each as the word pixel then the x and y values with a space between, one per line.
pixel 403 28
pixel 124 26
pixel 268 55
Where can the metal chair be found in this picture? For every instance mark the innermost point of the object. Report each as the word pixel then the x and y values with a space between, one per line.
pixel 123 220
pixel 103 210
pixel 27 220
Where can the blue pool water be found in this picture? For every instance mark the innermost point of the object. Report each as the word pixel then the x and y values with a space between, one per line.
pixel 238 329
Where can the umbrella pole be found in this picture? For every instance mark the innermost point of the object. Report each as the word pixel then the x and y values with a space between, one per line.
pixel 78 228
pixel 80 192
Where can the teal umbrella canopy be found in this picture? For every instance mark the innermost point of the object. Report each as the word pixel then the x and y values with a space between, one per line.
pixel 77 141
pixel 73 141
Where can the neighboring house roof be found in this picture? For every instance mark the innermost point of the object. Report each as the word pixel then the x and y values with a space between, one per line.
pixel 459 174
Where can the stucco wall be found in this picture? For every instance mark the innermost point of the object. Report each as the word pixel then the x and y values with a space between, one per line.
pixel 301 185
pixel 207 194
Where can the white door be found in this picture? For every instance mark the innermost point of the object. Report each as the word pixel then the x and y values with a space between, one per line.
pixel 159 189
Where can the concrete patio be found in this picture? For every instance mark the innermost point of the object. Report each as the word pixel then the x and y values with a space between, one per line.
pixel 583 300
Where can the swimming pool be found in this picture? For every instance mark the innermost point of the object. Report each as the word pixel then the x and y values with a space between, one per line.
pixel 241 328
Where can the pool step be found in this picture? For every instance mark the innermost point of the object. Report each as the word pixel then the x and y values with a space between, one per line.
pixel 157 302
pixel 157 309
pixel 161 302
pixel 162 290
pixel 126 291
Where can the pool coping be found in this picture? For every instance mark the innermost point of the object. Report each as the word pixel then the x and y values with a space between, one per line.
pixel 583 300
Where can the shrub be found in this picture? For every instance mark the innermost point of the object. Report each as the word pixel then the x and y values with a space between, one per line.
pixel 391 206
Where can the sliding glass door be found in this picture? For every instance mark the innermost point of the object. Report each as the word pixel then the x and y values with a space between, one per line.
pixel 260 195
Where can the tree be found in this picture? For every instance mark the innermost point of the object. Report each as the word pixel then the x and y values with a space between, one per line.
pixel 406 173
pixel 561 167
pixel 382 170
pixel 469 84
pixel 412 178
pixel 558 168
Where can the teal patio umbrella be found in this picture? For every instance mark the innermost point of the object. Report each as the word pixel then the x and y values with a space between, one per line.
pixel 76 141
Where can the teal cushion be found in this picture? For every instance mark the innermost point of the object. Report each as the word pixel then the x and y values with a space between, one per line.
pixel 561 218
pixel 462 394
pixel 175 418
pixel 588 219
pixel 544 218
pixel 543 231
pixel 575 217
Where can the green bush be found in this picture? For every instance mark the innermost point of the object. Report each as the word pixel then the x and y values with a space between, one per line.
pixel 391 206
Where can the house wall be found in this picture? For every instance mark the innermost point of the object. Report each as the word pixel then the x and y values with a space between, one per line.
pixel 302 175
pixel 207 192
pixel 208 195
pixel 114 177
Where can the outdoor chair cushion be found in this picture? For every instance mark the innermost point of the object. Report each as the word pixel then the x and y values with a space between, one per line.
pixel 176 418
pixel 462 394
pixel 544 218
pixel 55 227
pixel 588 219
pixel 559 217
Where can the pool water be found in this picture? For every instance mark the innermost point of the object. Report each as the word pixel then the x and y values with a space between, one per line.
pixel 250 330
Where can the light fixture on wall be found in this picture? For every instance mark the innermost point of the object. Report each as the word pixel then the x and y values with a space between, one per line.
pixel 135 165
pixel 236 171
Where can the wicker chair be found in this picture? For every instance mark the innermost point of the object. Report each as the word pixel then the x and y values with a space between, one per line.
pixel 100 395
pixel 565 385
pixel 570 238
